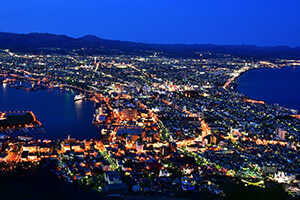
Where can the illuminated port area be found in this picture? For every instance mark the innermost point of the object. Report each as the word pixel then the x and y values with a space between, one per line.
pixel 15 120
pixel 168 126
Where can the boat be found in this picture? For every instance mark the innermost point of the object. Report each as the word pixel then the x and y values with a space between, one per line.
pixel 25 138
pixel 56 86
pixel 79 97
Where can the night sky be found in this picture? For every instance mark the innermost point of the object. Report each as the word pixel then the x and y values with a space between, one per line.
pixel 258 22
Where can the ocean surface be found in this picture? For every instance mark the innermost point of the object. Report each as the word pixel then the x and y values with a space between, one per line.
pixel 56 109
pixel 281 86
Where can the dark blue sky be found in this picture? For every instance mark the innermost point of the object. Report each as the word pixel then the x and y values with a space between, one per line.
pixel 260 22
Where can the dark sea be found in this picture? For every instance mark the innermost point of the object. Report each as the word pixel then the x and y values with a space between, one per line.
pixel 281 86
pixel 56 109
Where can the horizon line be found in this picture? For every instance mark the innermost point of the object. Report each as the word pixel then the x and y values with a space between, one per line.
pixel 152 43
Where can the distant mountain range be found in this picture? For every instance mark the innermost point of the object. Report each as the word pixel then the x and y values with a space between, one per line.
pixel 91 45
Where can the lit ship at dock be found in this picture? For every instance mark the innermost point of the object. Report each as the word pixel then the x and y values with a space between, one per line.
pixel 79 97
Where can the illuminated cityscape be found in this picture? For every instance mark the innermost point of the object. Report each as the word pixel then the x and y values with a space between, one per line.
pixel 165 128
pixel 149 100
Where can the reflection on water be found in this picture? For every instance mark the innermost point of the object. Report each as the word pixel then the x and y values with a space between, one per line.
pixel 56 109
pixel 79 107
pixel 4 88
pixel 78 104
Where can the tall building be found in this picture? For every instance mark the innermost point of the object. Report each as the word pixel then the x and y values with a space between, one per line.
pixel 281 133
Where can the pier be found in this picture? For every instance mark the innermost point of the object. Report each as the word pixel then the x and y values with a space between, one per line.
pixel 12 120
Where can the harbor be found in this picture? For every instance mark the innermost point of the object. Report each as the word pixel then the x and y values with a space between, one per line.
pixel 57 110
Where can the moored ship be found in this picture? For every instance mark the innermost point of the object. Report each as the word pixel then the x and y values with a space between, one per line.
pixel 79 97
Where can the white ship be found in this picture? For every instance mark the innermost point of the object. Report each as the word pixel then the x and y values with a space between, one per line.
pixel 79 97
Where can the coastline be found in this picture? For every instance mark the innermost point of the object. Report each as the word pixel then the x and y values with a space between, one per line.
pixel 236 83
pixel 48 129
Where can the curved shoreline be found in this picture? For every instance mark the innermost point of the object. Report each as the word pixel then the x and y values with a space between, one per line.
pixel 54 135
pixel 236 83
